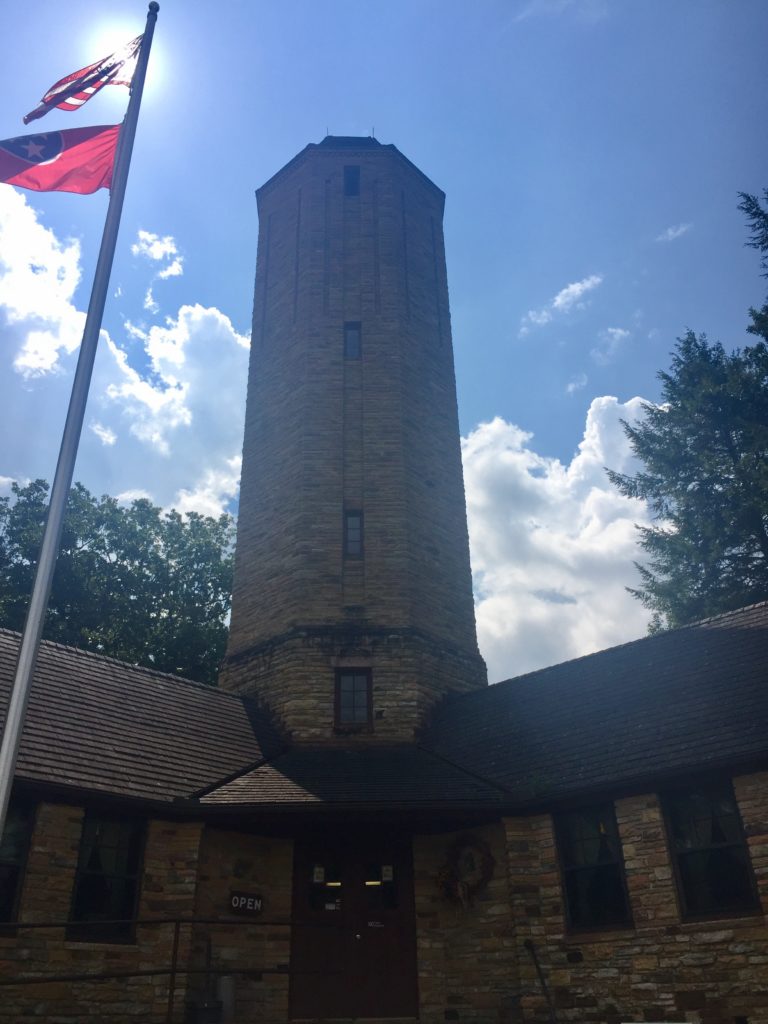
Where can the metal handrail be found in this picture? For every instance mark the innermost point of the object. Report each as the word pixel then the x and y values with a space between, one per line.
pixel 173 971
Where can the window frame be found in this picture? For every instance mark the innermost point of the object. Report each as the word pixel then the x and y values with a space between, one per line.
pixel 93 931
pixel 351 180
pixel 348 512
pixel 30 809
pixel 666 798
pixel 349 326
pixel 340 724
pixel 565 869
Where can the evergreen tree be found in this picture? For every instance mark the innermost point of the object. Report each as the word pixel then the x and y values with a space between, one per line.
pixel 757 218
pixel 704 451
pixel 131 582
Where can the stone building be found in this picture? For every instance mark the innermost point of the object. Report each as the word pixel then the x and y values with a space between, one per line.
pixel 353 824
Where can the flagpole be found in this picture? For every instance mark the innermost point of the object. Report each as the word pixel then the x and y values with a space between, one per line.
pixel 62 481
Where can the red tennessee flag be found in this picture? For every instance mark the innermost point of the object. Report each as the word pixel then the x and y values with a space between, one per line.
pixel 75 160
pixel 71 92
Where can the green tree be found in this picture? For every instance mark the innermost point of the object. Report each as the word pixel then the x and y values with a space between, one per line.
pixel 704 450
pixel 131 582
pixel 757 218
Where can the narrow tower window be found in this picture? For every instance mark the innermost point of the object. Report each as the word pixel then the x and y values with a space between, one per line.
pixel 352 340
pixel 353 698
pixel 353 533
pixel 352 180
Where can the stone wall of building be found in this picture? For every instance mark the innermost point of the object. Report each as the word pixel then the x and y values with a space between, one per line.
pixel 466 954
pixel 167 890
pixel 662 969
pixel 295 675
pixel 474 964
pixel 233 861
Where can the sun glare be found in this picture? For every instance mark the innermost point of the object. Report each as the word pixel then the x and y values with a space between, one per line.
pixel 109 36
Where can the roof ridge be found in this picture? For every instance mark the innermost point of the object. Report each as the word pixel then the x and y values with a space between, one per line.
pixel 143 669
pixel 627 643
pixel 239 773
pixel 461 768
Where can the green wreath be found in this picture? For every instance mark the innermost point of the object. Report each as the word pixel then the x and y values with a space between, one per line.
pixel 468 870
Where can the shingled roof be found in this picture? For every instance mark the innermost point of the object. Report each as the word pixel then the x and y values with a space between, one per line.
pixel 348 777
pixel 684 701
pixel 687 700
pixel 107 727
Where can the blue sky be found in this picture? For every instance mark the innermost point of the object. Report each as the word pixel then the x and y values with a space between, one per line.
pixel 591 152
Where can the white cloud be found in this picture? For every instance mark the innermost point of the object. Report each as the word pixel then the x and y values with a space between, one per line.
pixel 577 383
pixel 104 434
pixel 174 269
pixel 215 484
pixel 183 356
pixel 571 295
pixel 38 277
pixel 127 497
pixel 166 405
pixel 552 543
pixel 538 316
pixel 568 298
pixel 610 341
pixel 156 249
pixel 153 246
pixel 671 233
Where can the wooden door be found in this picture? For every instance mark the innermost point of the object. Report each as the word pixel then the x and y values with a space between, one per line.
pixel 353 950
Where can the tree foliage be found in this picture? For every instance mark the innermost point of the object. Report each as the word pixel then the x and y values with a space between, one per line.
pixel 704 451
pixel 757 218
pixel 131 582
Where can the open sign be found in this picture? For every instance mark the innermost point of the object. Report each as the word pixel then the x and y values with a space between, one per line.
pixel 245 903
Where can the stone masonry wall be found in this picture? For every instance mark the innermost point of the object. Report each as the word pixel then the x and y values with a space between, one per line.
pixel 168 889
pixel 235 861
pixel 662 969
pixel 296 677
pixel 466 955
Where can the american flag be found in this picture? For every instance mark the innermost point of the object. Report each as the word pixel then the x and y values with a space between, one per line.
pixel 72 92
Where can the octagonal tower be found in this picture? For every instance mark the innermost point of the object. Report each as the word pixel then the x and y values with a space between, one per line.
pixel 352 609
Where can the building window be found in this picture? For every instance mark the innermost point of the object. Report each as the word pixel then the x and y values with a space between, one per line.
pixel 352 340
pixel 592 868
pixel 107 881
pixel 353 698
pixel 352 180
pixel 13 859
pixel 712 865
pixel 353 533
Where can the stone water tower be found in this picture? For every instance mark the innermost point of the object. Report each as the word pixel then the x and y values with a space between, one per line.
pixel 352 610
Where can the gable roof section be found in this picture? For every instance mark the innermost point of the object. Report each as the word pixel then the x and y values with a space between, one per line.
pixel 346 777
pixel 104 726
pixel 686 700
